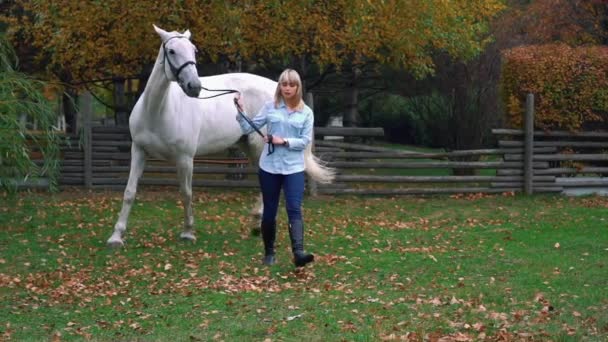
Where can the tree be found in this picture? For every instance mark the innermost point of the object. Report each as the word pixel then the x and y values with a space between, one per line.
pixel 95 39
pixel 469 89
pixel 81 42
pixel 574 22
pixel 21 95
pixel 349 36
pixel 78 43
pixel 555 35
pixel 417 31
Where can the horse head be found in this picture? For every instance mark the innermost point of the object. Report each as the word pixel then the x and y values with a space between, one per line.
pixel 179 58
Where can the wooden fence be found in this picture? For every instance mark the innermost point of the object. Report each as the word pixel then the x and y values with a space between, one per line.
pixel 105 163
pixel 524 161
pixel 100 158
pixel 370 170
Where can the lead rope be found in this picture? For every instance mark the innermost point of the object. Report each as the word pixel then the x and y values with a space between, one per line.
pixel 240 111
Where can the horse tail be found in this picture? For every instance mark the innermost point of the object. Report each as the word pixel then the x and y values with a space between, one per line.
pixel 316 168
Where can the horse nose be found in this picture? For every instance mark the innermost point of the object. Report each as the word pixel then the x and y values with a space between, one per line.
pixel 195 87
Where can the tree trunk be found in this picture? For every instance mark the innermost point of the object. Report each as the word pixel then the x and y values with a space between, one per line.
pixel 464 120
pixel 303 73
pixel 69 110
pixel 121 116
pixel 351 115
pixel 605 26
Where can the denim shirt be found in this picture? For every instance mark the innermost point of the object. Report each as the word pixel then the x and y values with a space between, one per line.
pixel 295 127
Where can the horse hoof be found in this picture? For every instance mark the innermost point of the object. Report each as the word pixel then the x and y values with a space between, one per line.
pixel 187 236
pixel 114 243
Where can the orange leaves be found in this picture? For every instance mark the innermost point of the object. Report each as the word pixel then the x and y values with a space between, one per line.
pixel 570 21
pixel 569 84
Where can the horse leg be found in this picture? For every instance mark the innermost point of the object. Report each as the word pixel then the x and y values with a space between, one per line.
pixel 138 161
pixel 253 148
pixel 184 173
pixel 256 213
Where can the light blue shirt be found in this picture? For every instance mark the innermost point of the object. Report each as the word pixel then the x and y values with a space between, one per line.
pixel 295 127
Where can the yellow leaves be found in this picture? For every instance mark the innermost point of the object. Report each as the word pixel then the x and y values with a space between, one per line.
pixel 89 40
pixel 93 39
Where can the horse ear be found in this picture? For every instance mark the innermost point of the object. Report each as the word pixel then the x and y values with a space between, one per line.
pixel 187 34
pixel 164 35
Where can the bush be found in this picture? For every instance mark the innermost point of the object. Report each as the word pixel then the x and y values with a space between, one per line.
pixel 570 85
pixel 421 120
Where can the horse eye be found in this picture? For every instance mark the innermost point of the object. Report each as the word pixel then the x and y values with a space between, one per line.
pixel 171 51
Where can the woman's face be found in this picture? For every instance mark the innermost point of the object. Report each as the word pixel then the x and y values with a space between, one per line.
pixel 289 90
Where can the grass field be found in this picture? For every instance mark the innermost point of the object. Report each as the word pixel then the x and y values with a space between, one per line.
pixel 445 268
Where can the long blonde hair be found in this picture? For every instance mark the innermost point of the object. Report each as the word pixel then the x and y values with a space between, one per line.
pixel 291 76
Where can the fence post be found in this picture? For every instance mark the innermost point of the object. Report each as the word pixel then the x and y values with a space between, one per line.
pixel 529 145
pixel 312 185
pixel 86 108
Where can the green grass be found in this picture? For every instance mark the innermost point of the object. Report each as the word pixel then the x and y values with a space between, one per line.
pixel 478 267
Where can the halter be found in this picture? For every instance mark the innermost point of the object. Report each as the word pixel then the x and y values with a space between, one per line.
pixel 175 70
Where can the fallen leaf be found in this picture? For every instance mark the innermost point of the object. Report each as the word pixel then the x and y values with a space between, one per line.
pixel 435 301
pixel 291 318
pixel 479 326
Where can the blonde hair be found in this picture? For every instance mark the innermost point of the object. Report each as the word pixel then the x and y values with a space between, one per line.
pixel 291 76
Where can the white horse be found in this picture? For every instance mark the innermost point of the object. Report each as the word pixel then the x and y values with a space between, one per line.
pixel 169 122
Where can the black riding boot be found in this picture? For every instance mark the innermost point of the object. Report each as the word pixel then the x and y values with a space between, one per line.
pixel 296 233
pixel 269 232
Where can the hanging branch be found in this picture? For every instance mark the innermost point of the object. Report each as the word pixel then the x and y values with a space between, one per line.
pixel 99 99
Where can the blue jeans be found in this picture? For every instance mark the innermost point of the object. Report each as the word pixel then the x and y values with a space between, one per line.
pixel 293 189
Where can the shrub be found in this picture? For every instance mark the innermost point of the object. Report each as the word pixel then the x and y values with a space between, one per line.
pixel 570 85
pixel 419 120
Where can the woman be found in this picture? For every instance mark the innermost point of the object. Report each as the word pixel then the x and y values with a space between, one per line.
pixel 289 125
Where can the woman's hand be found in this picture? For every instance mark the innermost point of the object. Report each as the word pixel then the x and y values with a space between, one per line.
pixel 239 100
pixel 275 140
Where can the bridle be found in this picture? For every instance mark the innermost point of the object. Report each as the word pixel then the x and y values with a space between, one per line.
pixel 175 70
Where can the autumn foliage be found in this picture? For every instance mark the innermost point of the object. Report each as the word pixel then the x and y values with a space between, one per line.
pixel 83 41
pixel 570 85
